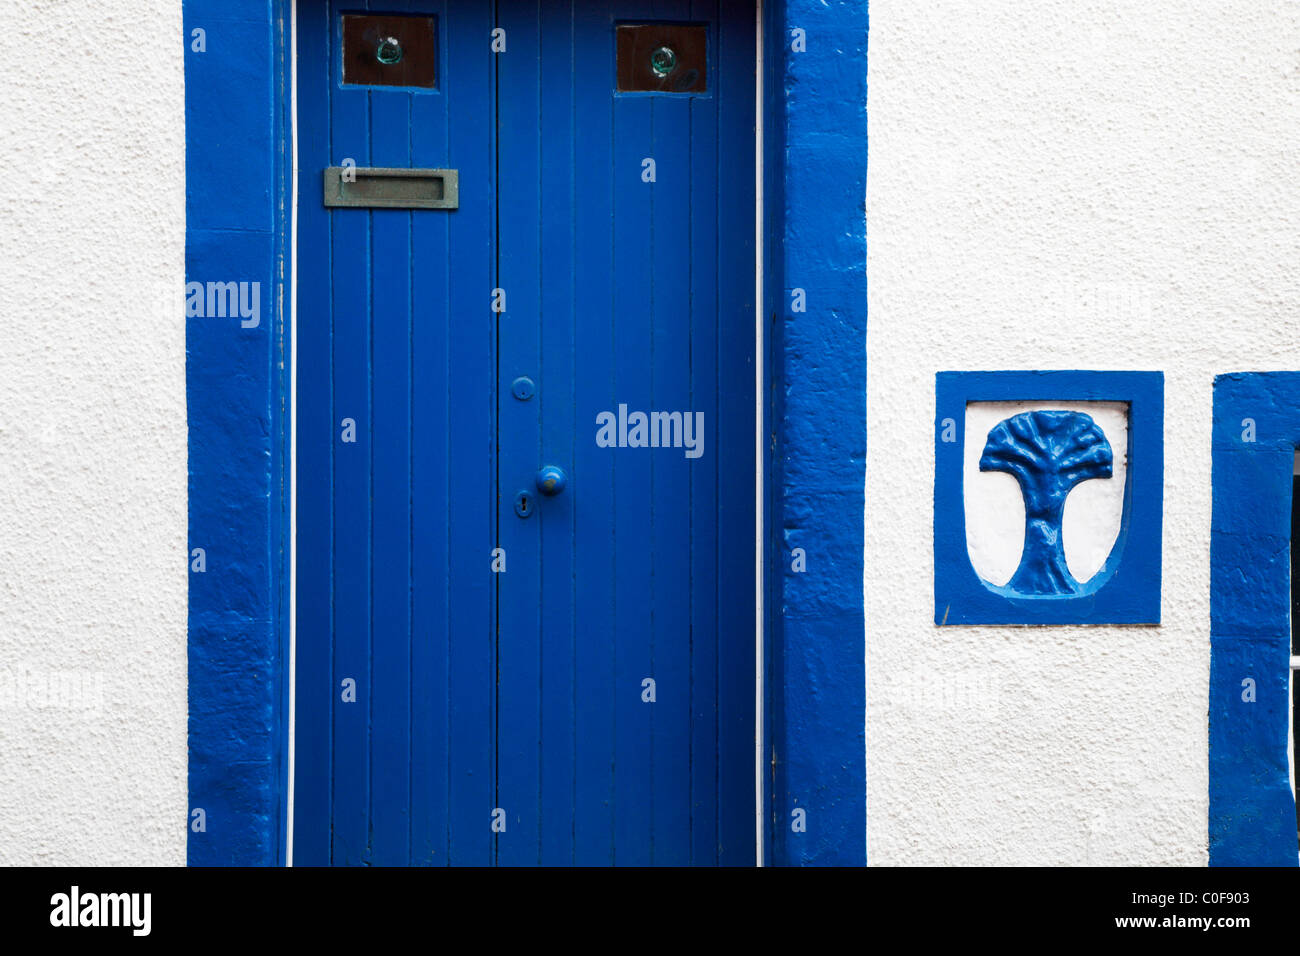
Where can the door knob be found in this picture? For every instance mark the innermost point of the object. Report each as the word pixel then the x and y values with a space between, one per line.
pixel 551 480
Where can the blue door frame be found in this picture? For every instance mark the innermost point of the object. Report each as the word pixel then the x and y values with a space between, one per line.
pixel 239 225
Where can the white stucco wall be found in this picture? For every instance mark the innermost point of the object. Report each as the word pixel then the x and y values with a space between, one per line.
pixel 1056 185
pixel 92 434
pixel 1097 185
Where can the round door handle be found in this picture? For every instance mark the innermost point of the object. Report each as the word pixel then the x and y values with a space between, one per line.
pixel 551 480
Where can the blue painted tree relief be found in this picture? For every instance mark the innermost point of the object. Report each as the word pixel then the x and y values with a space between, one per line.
pixel 1048 453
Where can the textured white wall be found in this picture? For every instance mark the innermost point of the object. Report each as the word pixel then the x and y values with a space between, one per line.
pixel 1098 185
pixel 1057 185
pixel 92 433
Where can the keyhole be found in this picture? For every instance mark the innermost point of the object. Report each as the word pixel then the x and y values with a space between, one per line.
pixel 523 504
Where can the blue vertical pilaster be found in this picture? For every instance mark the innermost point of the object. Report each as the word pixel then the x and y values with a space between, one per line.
pixel 235 368
pixel 1256 430
pixel 816 696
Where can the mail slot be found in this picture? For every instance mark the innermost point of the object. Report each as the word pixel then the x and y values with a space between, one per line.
pixel 378 187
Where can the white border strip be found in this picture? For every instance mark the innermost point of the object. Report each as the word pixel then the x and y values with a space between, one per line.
pixel 758 436
pixel 293 422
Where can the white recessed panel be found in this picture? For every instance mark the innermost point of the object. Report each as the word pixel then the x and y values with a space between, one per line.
pixel 995 510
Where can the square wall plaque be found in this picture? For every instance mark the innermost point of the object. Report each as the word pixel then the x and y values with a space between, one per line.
pixel 1048 497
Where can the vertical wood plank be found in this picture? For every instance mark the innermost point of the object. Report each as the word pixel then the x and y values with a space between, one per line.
pixel 559 347
pixel 431 454
pixel 735 434
pixel 596 688
pixel 705 475
pixel 316 689
pixel 470 458
pixel 392 272
pixel 350 274
pixel 632 516
pixel 671 357
pixel 520 639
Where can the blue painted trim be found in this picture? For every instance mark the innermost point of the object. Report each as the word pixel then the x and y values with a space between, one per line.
pixel 772 729
pixel 1252 811
pixel 236 231
pixel 816 676
pixel 1127 588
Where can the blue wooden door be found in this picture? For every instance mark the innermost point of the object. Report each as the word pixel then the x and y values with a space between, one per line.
pixel 525 601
